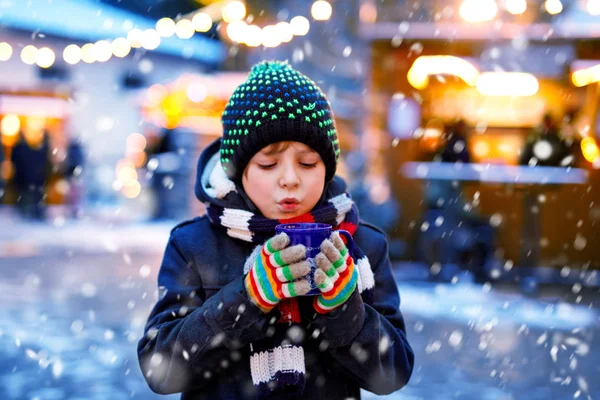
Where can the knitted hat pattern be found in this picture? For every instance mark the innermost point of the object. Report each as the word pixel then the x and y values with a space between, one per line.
pixel 276 103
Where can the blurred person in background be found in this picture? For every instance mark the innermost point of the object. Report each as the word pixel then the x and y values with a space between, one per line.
pixel 167 162
pixel 455 149
pixel 3 174
pixel 545 147
pixel 73 173
pixel 32 168
pixel 472 243
pixel 571 136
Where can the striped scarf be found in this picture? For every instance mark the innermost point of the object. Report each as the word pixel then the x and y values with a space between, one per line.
pixel 277 363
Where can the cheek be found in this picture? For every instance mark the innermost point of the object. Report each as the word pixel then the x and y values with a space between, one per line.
pixel 315 180
pixel 258 185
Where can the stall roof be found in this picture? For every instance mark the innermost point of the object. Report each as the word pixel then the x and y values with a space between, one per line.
pixel 573 23
pixel 88 20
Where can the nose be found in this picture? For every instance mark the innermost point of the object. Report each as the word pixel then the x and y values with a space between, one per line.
pixel 289 176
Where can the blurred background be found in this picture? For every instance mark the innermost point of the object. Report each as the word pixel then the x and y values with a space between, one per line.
pixel 469 134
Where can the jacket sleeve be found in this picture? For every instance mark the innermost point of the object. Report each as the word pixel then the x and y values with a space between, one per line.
pixel 369 342
pixel 190 340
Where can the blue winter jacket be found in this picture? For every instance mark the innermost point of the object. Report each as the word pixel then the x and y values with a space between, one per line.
pixel 197 336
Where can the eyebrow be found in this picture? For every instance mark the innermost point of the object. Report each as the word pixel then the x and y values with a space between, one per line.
pixel 273 152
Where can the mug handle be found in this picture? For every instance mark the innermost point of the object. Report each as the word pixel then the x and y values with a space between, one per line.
pixel 349 240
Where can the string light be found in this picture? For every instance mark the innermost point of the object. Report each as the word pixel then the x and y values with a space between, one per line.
pixel 5 51
pixel 300 25
pixel 321 10
pixel 45 57
pixel 165 27
pixel 234 11
pixel 135 37
pixel 87 53
pixel 553 6
pixel 269 36
pixel 29 54
pixel 478 10
pixel 150 39
pixel 202 22
pixel 516 7
pixel 593 7
pixel 237 30
pixel 120 47
pixel 72 54
pixel 184 29
pixel 102 51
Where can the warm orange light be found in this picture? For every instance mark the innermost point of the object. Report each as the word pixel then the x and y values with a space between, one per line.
pixel 136 142
pixel 553 6
pixel 425 66
pixel 138 158
pixel 321 10
pixel 202 22
pixel 72 54
pixel 5 51
pixel 127 175
pixel 478 10
pixel 590 149
pixel 10 125
pixel 512 84
pixel 234 11
pixel 156 93
pixel 132 191
pixel 481 149
pixel 586 76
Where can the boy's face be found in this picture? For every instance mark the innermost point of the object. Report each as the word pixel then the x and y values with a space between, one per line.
pixel 285 180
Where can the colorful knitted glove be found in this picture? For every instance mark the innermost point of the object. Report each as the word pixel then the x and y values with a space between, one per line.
pixel 274 273
pixel 336 275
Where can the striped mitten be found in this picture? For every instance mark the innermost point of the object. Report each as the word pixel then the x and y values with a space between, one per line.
pixel 336 275
pixel 274 273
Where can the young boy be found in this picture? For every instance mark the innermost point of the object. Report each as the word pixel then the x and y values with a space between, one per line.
pixel 231 321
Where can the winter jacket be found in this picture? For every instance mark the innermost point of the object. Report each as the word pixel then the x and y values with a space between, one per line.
pixel 197 337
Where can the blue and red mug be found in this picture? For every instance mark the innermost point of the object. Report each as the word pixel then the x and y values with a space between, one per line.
pixel 311 235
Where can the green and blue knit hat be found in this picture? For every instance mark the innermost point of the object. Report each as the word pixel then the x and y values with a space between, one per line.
pixel 276 103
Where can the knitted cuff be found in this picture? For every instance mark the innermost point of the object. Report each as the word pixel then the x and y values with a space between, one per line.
pixel 254 296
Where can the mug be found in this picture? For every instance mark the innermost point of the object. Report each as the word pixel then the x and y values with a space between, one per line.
pixel 311 235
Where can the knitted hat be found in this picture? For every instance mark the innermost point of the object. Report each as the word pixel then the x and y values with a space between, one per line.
pixel 276 103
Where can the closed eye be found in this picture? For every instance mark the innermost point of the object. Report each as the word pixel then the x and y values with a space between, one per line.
pixel 266 166
pixel 308 165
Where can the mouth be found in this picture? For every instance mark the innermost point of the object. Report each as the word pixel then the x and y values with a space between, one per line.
pixel 289 204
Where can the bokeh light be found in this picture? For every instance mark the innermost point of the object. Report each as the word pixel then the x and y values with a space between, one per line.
pixel 321 10
pixel 5 51
pixel 253 36
pixel 29 54
pixel 45 57
pixel 72 54
pixel 300 25
pixel 234 11
pixel 165 27
pixel 102 51
pixel 236 31
pixel 88 54
pixel 135 38
pixel 516 7
pixel 269 36
pixel 202 22
pixel 136 142
pixel 284 30
pixel 10 125
pixel 150 39
pixel 184 29
pixel 553 6
pixel 478 10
